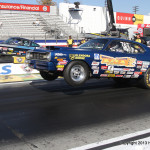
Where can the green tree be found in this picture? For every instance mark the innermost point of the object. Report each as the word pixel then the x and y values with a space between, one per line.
pixel 46 2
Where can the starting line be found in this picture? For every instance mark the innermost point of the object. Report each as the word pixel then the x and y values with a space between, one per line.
pixel 19 78
pixel 135 141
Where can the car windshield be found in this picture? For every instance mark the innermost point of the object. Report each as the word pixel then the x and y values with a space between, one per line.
pixel 95 44
pixel 146 38
pixel 13 41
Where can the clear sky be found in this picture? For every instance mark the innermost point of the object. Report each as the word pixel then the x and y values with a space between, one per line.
pixel 119 5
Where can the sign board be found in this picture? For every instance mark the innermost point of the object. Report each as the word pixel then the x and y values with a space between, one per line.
pixel 126 18
pixel 12 69
pixel 24 7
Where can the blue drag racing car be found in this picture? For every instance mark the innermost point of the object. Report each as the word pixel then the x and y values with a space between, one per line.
pixel 17 46
pixel 119 59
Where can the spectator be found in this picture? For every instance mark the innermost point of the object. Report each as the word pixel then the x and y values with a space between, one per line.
pixel 82 41
pixel 70 41
pixel 36 23
pixel 138 39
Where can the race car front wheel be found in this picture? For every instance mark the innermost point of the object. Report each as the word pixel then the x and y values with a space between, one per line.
pixel 76 73
pixel 48 75
pixel 145 81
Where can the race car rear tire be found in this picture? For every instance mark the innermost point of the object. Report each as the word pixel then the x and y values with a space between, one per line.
pixel 48 75
pixel 145 81
pixel 76 73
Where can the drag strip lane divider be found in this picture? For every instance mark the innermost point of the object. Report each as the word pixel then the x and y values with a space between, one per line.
pixel 115 141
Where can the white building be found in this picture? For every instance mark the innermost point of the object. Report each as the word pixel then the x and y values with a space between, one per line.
pixel 93 19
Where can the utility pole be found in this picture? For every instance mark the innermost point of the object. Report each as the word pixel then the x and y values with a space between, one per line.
pixel 135 9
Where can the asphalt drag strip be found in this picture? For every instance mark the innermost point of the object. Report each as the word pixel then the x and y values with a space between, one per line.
pixel 140 140
pixel 41 115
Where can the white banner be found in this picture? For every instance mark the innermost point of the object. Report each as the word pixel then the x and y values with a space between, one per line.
pixel 12 69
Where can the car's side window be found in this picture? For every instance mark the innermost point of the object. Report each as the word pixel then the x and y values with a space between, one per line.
pixel 125 47
pixel 26 43
pixel 34 44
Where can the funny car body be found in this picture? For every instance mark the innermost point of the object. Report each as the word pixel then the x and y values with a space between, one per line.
pixel 115 58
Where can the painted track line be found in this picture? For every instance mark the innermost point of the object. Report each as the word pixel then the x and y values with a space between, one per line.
pixel 115 141
pixel 24 82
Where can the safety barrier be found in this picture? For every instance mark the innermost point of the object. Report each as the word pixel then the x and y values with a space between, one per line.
pixel 17 71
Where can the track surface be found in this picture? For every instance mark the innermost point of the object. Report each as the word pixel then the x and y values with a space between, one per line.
pixel 54 116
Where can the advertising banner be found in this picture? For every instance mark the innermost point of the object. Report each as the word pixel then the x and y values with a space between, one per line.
pixel 126 18
pixel 138 19
pixel 24 7
pixel 12 69
pixel 141 28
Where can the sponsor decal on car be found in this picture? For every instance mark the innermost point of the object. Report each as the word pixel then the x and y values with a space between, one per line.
pixel 118 69
pixel 128 69
pixel 104 75
pixel 10 53
pixel 118 61
pixel 59 59
pixel 119 76
pixel 96 56
pixel 111 68
pixel 146 63
pixel 122 72
pixel 95 63
pixel 104 67
pixel 145 66
pixel 107 71
pixel 143 70
pixel 22 52
pixel 137 73
pixel 64 62
pixel 127 76
pixel 60 54
pixel 5 48
pixel 95 67
pixel 60 69
pixel 10 49
pixel 135 76
pixel 111 75
pixel 139 62
pixel 139 66
pixel 129 72
pixel 95 71
pixel 116 72
pixel 78 56
pixel 60 66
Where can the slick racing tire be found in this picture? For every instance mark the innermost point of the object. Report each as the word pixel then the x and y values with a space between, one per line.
pixel 145 81
pixel 48 75
pixel 76 73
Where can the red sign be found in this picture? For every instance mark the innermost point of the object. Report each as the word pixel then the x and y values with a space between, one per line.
pixel 124 18
pixel 141 28
pixel 24 7
pixel 143 25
